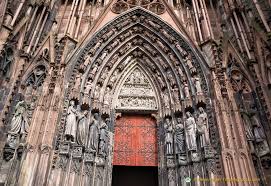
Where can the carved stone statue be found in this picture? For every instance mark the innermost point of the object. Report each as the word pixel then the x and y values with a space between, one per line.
pixel 197 85
pixel 77 81
pixel 114 77
pixel 88 87
pixel 190 129
pixel 169 137
pixel 97 91
pixel 82 128
pixel 166 100
pixel 260 138
pixel 93 71
pixel 103 136
pixel 107 96
pixel 257 128
pixel 93 135
pixel 203 128
pixel 186 90
pixel 189 64
pixel 19 123
pixel 71 123
pixel 179 137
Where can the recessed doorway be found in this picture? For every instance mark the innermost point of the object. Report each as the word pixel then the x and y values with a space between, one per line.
pixel 134 176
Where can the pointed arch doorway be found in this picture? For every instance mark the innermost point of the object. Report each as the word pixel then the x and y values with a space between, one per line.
pixel 135 159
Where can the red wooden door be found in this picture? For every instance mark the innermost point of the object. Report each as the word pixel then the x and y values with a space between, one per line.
pixel 135 141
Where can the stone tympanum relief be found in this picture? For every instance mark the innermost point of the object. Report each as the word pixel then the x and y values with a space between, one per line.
pixel 137 93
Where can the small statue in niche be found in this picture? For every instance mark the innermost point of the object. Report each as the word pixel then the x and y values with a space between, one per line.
pixel 169 137
pixel 71 123
pixel 181 50
pixel 171 78
pixel 249 131
pixel 166 100
pixel 190 129
pixel 82 128
pixel 93 71
pixel 160 80
pixel 260 138
pixel 93 135
pixel 203 128
pixel 97 91
pixel 88 87
pixel 197 85
pixel 186 90
pixel 76 88
pixel 19 123
pixel 107 96
pixel 103 136
pixel 179 137
pixel 189 64
pixel 258 131
pixel 104 74
pixel 176 97
pixel 114 77
pixel 87 60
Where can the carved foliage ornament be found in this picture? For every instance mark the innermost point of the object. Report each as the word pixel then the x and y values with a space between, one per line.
pixel 154 6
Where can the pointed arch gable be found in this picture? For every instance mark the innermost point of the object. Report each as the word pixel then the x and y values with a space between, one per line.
pixel 120 21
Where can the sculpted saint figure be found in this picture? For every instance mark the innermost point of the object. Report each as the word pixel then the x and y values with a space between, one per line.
pixel 203 128
pixel 186 90
pixel 82 128
pixel 77 82
pixel 169 136
pixel 88 87
pixel 190 129
pixel 179 136
pixel 19 123
pixel 197 85
pixel 71 123
pixel 103 136
pixel 93 133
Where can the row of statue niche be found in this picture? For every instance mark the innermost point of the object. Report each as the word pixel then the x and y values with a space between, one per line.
pixel 86 130
pixel 185 133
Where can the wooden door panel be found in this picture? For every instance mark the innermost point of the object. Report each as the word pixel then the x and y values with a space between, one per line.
pixel 135 141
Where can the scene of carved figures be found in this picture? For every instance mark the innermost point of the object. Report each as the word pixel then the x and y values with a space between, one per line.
pixel 137 93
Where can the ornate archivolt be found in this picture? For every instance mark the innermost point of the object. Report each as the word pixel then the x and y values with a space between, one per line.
pixel 137 57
